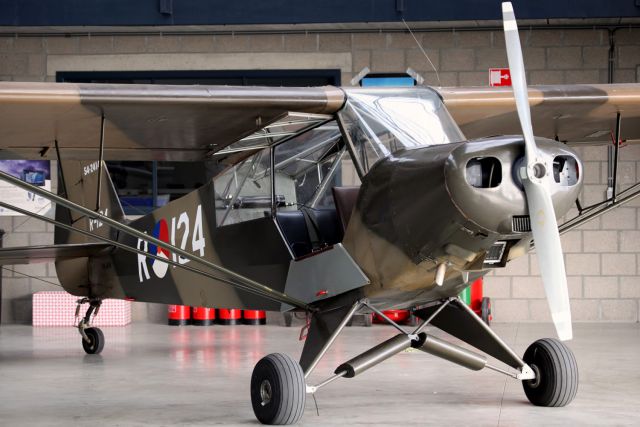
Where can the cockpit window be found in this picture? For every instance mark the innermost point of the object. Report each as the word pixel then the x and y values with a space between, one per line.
pixel 306 167
pixel 383 121
pixel 243 192
pixel 302 163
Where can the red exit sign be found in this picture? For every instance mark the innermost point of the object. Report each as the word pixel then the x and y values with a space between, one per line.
pixel 499 77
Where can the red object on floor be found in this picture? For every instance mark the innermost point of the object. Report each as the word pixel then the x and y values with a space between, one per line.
pixel 179 315
pixel 476 295
pixel 397 316
pixel 229 316
pixel 203 316
pixel 254 317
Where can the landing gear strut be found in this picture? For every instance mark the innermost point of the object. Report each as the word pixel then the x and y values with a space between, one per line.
pixel 548 370
pixel 92 338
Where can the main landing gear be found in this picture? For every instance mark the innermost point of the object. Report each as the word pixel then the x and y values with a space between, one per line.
pixel 92 337
pixel 548 370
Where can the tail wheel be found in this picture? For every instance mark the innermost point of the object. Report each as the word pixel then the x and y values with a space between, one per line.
pixel 96 341
pixel 278 391
pixel 554 364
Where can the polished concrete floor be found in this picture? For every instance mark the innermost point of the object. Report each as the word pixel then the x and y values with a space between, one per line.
pixel 199 376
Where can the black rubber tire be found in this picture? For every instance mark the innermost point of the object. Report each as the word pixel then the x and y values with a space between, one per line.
pixel 96 341
pixel 485 310
pixel 285 387
pixel 557 371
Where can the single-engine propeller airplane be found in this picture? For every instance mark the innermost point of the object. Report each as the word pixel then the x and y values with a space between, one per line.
pixel 446 196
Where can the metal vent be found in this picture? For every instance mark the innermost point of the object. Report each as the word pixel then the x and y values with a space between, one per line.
pixel 521 224
pixel 495 253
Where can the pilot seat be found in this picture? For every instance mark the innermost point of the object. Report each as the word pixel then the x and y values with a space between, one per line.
pixel 310 230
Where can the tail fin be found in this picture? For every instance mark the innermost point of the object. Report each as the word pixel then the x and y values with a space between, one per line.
pixel 78 181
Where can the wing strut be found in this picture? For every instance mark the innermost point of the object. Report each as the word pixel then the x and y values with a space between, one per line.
pixel 601 208
pixel 136 250
pixel 100 158
pixel 615 199
pixel 60 171
pixel 616 152
pixel 245 283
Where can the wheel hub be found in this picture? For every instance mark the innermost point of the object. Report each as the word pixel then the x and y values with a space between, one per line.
pixel 536 381
pixel 265 392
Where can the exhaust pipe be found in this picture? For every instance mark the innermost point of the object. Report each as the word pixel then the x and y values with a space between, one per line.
pixel 451 352
pixel 372 357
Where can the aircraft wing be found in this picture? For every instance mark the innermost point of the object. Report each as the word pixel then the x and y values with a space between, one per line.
pixel 144 122
pixel 37 254
pixel 576 114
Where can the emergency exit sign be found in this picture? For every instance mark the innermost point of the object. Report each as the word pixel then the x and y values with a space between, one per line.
pixel 499 77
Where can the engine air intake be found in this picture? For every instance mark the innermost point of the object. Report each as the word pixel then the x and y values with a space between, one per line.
pixel 484 172
pixel 565 171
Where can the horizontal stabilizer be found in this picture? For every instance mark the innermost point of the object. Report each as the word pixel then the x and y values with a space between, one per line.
pixel 49 253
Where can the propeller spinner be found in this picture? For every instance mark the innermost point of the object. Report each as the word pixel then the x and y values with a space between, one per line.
pixel 536 178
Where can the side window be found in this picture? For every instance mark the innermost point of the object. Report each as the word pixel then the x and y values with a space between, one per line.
pixel 243 192
pixel 348 173
pixel 308 166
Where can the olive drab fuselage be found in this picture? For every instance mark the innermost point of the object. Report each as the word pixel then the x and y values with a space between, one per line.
pixel 454 203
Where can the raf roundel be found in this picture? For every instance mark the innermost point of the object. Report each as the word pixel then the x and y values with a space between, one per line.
pixel 161 232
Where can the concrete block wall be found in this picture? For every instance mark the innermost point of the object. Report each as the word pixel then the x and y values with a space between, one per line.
pixel 17 287
pixel 603 257
pixel 19 282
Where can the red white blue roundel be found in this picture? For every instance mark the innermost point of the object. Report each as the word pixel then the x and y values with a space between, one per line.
pixel 161 232
pixel 182 228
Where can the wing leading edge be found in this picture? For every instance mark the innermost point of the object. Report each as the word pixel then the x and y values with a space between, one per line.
pixel 157 122
pixel 576 114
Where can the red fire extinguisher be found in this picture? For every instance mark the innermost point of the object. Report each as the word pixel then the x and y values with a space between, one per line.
pixel 480 304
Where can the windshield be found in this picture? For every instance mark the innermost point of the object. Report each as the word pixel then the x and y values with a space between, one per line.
pixel 383 121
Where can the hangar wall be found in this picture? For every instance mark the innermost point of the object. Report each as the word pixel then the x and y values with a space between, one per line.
pixel 603 257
